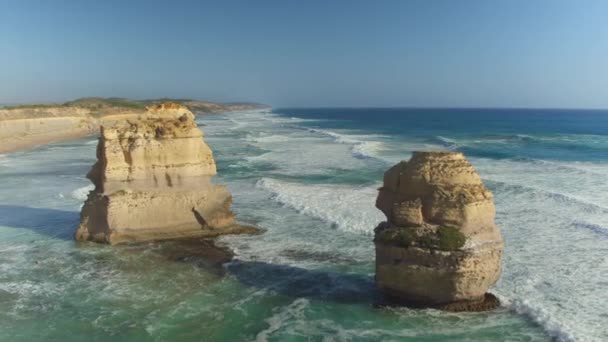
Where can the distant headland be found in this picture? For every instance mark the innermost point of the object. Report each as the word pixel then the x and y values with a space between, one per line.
pixel 28 125
pixel 108 104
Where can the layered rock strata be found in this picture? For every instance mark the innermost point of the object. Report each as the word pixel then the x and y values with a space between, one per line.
pixel 153 182
pixel 440 246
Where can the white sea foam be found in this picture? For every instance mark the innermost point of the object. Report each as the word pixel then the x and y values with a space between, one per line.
pixel 308 156
pixel 271 128
pixel 82 193
pixel 555 241
pixel 575 182
pixel 367 149
pixel 275 118
pixel 363 145
pixel 541 316
pixel 346 138
pixel 4 161
pixel 276 321
pixel 597 169
pixel 273 138
pixel 237 124
pixel 349 208
pixel 449 144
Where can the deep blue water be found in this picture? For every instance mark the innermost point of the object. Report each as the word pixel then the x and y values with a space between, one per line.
pixel 505 133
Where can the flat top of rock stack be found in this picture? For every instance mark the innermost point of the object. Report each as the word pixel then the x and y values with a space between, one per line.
pixel 154 124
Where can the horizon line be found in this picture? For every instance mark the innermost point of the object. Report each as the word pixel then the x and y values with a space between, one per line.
pixel 425 107
pixel 439 107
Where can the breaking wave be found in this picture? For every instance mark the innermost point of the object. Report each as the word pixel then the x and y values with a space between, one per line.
pixel 541 316
pixel 348 208
pixel 362 145
pixel 81 194
pixel 581 204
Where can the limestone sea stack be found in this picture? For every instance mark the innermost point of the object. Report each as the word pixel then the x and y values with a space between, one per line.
pixel 440 246
pixel 153 182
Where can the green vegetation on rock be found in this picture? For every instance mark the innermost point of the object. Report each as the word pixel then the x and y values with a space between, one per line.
pixel 450 238
pixel 397 237
pixel 445 239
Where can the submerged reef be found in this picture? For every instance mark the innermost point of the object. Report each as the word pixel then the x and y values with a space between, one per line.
pixel 439 246
pixel 153 182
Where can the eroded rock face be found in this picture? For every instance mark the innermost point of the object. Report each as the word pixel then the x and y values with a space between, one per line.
pixel 439 245
pixel 153 182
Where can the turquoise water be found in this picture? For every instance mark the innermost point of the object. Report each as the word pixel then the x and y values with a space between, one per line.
pixel 309 177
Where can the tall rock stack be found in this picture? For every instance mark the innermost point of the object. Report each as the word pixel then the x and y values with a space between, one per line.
pixel 153 181
pixel 439 246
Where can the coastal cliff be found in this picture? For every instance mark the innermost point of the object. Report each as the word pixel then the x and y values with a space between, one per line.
pixel 30 125
pixel 153 182
pixel 439 246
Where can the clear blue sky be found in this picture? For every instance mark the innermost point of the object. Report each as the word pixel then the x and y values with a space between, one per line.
pixel 507 53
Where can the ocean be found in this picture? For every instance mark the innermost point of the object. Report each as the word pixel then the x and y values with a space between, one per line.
pixel 310 178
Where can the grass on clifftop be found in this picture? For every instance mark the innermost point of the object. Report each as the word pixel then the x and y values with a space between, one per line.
pixel 99 102
pixel 103 104
pixel 93 103
pixel 31 106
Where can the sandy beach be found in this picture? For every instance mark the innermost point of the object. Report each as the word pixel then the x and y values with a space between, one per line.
pixel 22 134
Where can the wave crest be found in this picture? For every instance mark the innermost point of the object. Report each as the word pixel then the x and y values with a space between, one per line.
pixel 82 193
pixel 363 145
pixel 349 208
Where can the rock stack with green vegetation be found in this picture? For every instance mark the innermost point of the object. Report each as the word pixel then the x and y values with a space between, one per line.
pixel 439 246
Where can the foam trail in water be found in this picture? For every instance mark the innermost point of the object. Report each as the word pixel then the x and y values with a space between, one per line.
pixel 274 138
pixel 447 143
pixel 276 321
